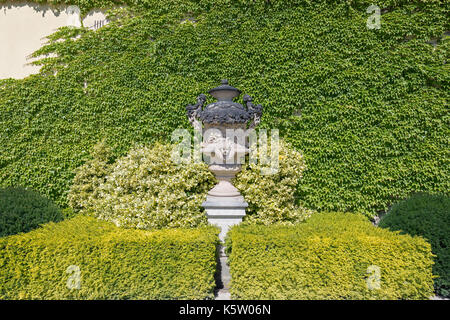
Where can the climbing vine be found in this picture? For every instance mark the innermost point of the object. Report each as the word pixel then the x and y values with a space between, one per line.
pixel 367 107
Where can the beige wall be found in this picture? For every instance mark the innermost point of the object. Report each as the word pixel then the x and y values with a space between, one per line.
pixel 23 28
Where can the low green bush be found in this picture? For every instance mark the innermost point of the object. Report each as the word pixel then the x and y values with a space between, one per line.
pixel 113 263
pixel 329 256
pixel 428 216
pixel 22 210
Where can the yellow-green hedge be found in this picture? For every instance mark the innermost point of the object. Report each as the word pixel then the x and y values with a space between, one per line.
pixel 114 263
pixel 328 257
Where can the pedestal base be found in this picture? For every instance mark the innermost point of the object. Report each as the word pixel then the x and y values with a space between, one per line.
pixel 224 212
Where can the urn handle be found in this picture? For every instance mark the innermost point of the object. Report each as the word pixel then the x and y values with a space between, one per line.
pixel 194 110
pixel 255 112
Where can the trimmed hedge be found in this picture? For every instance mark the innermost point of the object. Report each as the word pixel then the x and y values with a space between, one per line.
pixel 368 108
pixel 114 263
pixel 428 216
pixel 22 210
pixel 330 256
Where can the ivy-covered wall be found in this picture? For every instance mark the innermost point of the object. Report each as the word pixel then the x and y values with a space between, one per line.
pixel 368 107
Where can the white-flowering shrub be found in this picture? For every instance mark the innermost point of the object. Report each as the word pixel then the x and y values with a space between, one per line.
pixel 146 189
pixel 271 197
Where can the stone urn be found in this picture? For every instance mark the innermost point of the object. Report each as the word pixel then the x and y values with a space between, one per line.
pixel 224 125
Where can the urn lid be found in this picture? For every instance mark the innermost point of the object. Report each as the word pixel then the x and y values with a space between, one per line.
pixel 224 91
pixel 224 111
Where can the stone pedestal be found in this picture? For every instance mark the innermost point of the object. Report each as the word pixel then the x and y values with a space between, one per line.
pixel 224 213
pixel 224 205
pixel 223 125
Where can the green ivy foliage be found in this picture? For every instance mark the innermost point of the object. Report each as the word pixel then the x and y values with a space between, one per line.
pixel 85 5
pixel 330 256
pixel 368 108
pixel 428 216
pixel 114 263
pixel 22 210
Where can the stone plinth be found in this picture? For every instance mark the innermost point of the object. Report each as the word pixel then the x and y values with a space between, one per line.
pixel 224 212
